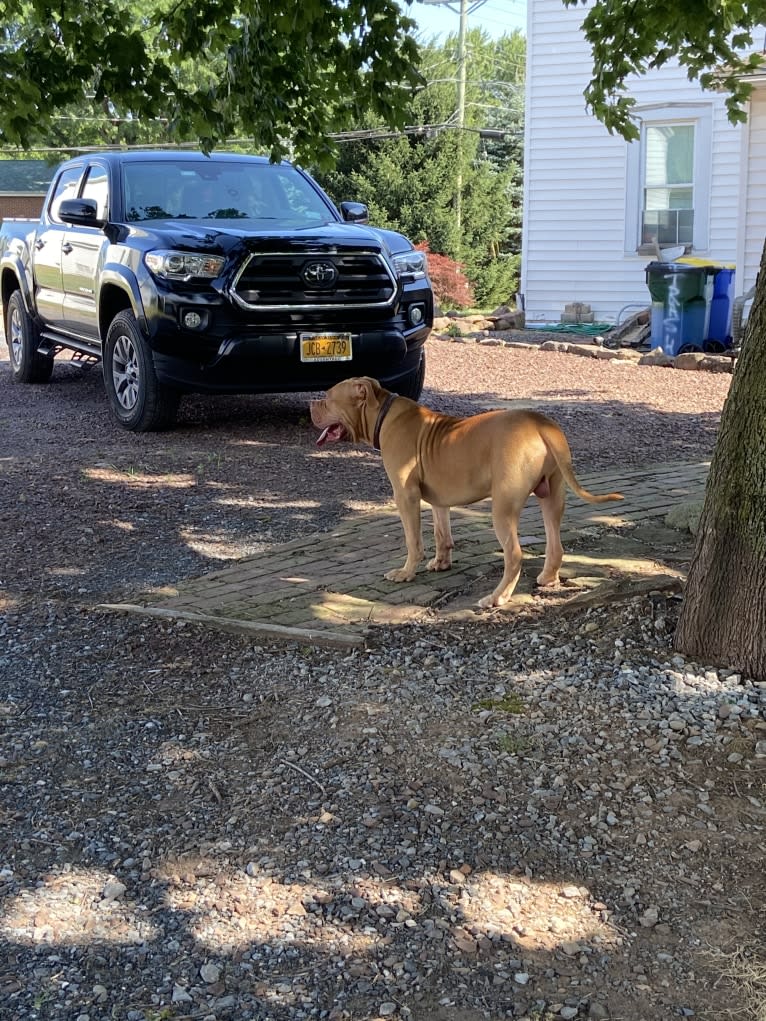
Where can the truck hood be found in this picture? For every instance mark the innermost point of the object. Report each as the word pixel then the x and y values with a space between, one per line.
pixel 224 237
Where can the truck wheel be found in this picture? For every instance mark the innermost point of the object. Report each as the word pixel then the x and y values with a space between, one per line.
pixel 22 336
pixel 138 400
pixel 411 385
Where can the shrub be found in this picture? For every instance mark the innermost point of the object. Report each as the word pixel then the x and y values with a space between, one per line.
pixel 451 286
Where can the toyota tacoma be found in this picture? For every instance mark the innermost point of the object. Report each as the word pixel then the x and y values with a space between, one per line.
pixel 187 273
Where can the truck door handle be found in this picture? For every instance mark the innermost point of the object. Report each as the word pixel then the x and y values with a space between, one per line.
pixel 66 248
pixel 39 244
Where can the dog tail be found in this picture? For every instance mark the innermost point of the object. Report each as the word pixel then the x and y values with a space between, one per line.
pixel 556 442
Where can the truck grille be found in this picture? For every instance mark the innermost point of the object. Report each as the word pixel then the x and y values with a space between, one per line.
pixel 305 280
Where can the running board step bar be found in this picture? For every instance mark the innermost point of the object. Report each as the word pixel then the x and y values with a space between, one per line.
pixel 52 343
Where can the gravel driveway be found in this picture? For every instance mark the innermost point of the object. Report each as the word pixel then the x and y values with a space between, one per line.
pixel 535 816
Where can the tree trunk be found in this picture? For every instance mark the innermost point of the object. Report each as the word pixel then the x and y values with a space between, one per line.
pixel 723 617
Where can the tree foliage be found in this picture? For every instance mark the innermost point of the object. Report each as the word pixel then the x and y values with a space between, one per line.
pixel 285 75
pixel 709 38
pixel 410 181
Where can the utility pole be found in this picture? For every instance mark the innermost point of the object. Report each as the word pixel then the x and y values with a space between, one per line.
pixel 461 77
pixel 466 7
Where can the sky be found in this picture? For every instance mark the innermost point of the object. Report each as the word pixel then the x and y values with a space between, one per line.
pixel 496 17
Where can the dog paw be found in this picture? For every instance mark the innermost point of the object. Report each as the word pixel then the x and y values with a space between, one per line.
pixel 439 564
pixel 399 575
pixel 544 580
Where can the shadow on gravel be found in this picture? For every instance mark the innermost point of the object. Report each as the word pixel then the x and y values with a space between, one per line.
pixel 283 858
pixel 194 826
pixel 97 512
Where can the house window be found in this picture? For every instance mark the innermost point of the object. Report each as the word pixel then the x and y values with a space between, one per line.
pixel 668 207
pixel 668 179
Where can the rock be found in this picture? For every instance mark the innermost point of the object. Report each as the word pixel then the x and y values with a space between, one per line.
pixel 100 993
pixel 656 357
pixel 690 360
pixel 180 995
pixel 606 354
pixel 570 892
pixel 571 947
pixel 685 517
pixel 650 917
pixel 510 321
pixel 717 363
pixel 113 890
pixel 434 810
pixel 210 973
pixel 555 345
pixel 583 350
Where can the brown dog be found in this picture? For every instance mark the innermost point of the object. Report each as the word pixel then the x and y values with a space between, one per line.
pixel 447 461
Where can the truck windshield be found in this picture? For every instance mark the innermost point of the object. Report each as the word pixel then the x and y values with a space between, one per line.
pixel 187 189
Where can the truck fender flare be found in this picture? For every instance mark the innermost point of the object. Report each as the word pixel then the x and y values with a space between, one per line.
pixel 16 267
pixel 124 279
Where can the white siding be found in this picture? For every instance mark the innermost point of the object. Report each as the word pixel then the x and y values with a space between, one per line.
pixel 575 176
pixel 753 207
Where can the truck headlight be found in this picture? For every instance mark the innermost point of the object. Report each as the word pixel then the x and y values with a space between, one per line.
pixel 411 265
pixel 184 265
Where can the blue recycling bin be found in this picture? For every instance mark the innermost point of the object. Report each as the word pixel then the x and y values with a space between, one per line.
pixel 679 306
pixel 721 306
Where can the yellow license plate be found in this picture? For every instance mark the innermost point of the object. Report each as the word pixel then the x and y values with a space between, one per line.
pixel 325 347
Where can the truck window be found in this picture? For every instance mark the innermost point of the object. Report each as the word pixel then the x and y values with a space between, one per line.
pixel 149 191
pixel 97 188
pixel 66 188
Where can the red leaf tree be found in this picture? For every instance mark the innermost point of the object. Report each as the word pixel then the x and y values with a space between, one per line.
pixel 451 286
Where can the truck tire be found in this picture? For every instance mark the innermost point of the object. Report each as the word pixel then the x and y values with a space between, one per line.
pixel 22 337
pixel 137 399
pixel 411 385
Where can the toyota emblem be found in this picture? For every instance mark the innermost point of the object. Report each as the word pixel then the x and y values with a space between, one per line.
pixel 319 274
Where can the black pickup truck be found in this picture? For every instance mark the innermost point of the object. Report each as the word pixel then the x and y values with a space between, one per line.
pixel 186 273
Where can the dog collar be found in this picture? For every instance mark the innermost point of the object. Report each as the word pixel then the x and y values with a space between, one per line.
pixel 381 415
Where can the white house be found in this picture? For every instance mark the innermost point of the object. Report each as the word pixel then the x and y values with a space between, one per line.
pixel 593 202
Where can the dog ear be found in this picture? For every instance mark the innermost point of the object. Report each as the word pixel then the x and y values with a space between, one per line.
pixel 363 389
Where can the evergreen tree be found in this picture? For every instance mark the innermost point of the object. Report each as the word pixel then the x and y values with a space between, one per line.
pixel 410 181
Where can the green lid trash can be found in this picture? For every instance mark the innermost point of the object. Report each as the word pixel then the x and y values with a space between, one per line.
pixel 678 305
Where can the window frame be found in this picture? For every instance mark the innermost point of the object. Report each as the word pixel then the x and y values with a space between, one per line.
pixel 67 176
pixel 700 116
pixel 96 167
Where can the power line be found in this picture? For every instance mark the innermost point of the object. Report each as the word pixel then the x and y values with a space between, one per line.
pixel 362 135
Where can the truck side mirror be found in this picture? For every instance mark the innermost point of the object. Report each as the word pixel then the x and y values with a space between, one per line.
pixel 354 212
pixel 83 212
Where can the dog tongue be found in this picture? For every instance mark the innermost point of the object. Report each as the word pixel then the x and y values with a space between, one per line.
pixel 331 434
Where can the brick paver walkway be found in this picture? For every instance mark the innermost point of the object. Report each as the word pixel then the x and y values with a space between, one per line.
pixel 331 587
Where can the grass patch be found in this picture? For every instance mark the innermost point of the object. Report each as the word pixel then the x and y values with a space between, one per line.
pixel 745 968
pixel 513 744
pixel 510 703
